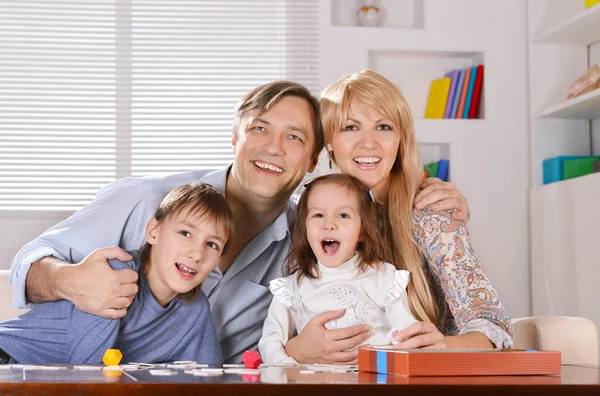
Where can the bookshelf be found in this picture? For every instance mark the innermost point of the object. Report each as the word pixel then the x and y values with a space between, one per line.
pixel 583 28
pixel 564 215
pixel 584 107
pixel 420 68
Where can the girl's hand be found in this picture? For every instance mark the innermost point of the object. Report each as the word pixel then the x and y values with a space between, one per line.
pixel 419 335
pixel 442 196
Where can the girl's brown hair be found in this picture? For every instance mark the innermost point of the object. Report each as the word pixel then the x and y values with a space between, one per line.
pixel 302 259
pixel 198 199
pixel 371 91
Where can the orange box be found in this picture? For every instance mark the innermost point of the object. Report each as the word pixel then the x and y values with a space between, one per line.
pixel 445 363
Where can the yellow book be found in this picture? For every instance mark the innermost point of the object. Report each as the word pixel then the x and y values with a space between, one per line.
pixel 591 3
pixel 438 96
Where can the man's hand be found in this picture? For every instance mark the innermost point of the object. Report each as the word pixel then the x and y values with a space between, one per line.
pixel 442 196
pixel 94 287
pixel 316 344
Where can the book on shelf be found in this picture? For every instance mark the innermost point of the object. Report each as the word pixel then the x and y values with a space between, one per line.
pixel 463 94
pixel 457 95
pixel 458 89
pixel 591 3
pixel 473 111
pixel 453 76
pixel 437 169
pixel 438 96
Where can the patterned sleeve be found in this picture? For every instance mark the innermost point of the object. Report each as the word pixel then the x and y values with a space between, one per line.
pixel 469 294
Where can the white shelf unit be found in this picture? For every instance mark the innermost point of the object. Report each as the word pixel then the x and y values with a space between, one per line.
pixel 584 107
pixel 563 215
pixel 582 28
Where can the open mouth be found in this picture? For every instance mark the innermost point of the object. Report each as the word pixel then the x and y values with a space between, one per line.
pixel 268 167
pixel 330 246
pixel 186 272
pixel 367 162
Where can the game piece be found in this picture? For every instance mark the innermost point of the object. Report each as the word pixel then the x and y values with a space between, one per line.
pixel 162 372
pixel 87 368
pixel 307 372
pixel 112 357
pixel 212 370
pixel 251 359
pixel 207 374
pixel 234 365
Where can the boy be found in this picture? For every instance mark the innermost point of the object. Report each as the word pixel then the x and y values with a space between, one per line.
pixel 169 318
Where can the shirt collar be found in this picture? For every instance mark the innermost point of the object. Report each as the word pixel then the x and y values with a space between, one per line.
pixel 348 267
pixel 279 228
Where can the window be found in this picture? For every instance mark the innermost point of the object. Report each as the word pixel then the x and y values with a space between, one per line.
pixel 94 90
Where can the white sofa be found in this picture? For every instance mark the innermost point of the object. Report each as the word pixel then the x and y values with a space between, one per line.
pixel 576 338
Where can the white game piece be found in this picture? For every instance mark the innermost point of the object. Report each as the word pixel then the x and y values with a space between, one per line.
pixel 87 368
pixel 212 370
pixel 307 372
pixel 184 362
pixel 162 372
pixel 143 364
pixel 342 370
pixel 234 365
pixel 207 374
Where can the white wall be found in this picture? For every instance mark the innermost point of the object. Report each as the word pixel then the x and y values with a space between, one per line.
pixel 594 57
pixel 489 157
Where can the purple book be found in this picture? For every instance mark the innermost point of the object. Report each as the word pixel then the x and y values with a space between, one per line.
pixel 453 75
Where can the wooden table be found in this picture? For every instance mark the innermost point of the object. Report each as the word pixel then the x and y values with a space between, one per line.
pixel 290 382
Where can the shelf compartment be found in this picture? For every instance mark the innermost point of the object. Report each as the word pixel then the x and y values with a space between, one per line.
pixel 413 71
pixel 581 29
pixel 584 107
pixel 395 13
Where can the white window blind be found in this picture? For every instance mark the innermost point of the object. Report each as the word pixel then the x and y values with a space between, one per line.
pixel 93 90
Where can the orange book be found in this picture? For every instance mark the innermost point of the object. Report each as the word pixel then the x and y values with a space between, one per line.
pixel 447 363
pixel 463 94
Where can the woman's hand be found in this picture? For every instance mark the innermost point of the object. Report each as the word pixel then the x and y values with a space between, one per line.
pixel 420 335
pixel 316 344
pixel 442 196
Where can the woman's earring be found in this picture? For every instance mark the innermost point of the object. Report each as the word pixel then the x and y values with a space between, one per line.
pixel 330 155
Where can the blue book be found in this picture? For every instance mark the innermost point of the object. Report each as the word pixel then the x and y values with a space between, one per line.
pixel 461 77
pixel 470 92
pixel 442 172
pixel 453 75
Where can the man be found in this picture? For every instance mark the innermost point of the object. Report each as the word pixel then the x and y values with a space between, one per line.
pixel 276 140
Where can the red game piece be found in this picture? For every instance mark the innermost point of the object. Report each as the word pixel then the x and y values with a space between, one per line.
pixel 251 359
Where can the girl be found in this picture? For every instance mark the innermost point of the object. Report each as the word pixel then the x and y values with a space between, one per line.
pixel 169 318
pixel 336 263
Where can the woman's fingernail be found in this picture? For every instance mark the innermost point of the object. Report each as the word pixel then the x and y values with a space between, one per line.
pixel 419 205
pixel 435 206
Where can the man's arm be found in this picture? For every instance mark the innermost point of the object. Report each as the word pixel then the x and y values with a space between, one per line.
pixel 91 285
pixel 116 215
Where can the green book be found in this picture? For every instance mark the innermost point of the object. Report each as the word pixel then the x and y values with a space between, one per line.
pixel 432 169
pixel 579 167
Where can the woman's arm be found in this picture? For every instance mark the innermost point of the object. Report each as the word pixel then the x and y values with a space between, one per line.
pixel 473 302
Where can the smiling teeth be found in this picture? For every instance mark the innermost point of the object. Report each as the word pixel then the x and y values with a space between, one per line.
pixel 264 165
pixel 367 160
pixel 186 269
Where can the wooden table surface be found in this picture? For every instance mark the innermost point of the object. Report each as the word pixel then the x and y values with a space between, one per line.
pixel 290 382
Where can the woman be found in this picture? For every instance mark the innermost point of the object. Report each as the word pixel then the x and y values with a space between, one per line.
pixel 369 134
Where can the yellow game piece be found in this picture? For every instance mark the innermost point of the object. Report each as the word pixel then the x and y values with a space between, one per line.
pixel 112 357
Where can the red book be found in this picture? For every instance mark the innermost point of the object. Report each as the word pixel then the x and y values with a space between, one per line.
pixel 447 363
pixel 473 111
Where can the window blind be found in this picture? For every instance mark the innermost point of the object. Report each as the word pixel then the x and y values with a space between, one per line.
pixel 94 90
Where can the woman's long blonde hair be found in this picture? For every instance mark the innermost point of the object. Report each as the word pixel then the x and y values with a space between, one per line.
pixel 373 92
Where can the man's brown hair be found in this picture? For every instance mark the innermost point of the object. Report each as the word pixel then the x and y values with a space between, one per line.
pixel 265 96
pixel 198 199
pixel 302 259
